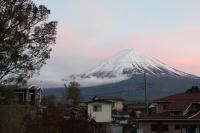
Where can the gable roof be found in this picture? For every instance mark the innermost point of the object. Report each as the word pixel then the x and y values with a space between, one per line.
pixel 100 101
pixel 107 98
pixel 180 101
pixel 166 116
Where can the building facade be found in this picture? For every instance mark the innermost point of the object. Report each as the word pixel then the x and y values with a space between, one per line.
pixel 178 113
pixel 31 96
pixel 118 103
pixel 100 111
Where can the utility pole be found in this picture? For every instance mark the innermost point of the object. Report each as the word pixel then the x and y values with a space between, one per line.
pixel 145 91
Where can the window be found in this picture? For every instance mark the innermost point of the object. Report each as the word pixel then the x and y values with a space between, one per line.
pixel 195 107
pixel 154 127
pixel 165 128
pixel 165 107
pixel 177 127
pixel 160 127
pixel 96 108
pixel 175 113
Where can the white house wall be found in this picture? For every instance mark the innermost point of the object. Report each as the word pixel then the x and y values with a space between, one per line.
pixel 104 115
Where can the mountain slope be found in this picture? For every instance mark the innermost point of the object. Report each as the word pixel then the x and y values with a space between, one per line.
pixel 132 89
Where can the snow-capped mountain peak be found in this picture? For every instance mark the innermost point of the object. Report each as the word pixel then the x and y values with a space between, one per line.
pixel 124 65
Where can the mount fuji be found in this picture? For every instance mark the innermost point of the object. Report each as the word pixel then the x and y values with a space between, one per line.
pixel 122 75
pixel 125 65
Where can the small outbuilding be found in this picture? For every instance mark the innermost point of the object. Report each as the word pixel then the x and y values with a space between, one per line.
pixel 31 96
pixel 100 110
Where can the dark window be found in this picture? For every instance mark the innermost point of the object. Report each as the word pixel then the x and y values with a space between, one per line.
pixel 177 127
pixel 154 127
pixel 165 128
pixel 175 113
pixel 195 107
pixel 165 107
pixel 96 108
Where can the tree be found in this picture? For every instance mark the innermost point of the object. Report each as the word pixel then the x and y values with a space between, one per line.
pixel 58 120
pixel 194 89
pixel 25 39
pixel 73 93
pixel 49 101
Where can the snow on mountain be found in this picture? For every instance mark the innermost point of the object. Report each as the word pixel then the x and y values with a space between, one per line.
pixel 124 65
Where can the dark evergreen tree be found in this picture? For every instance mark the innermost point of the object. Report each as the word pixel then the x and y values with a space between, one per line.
pixel 194 89
pixel 73 93
pixel 25 39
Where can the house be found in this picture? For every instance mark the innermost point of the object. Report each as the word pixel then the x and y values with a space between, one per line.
pixel 108 109
pixel 135 108
pixel 179 113
pixel 118 103
pixel 100 110
pixel 31 96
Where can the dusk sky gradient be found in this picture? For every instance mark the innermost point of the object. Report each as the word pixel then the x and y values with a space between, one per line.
pixel 90 31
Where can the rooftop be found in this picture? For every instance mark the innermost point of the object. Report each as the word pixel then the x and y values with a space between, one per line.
pixel 107 98
pixel 100 101
pixel 180 101
pixel 166 116
pixel 178 109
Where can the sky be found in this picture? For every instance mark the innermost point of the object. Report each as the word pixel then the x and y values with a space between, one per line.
pixel 90 31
